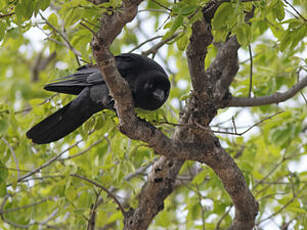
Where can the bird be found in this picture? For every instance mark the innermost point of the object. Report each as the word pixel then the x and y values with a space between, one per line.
pixel 147 80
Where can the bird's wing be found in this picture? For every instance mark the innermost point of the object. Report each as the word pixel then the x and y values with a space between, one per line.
pixel 68 118
pixel 75 83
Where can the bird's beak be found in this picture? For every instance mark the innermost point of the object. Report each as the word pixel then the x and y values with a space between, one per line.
pixel 159 94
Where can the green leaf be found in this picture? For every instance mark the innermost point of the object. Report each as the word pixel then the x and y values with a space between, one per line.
pixel 3 126
pixel 25 8
pixel 278 10
pixel 53 19
pixel 174 26
pixel 243 33
pixel 222 15
pixel 43 4
pixel 182 42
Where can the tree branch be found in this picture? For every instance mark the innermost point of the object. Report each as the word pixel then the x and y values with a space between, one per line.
pixel 110 194
pixel 201 37
pixel 224 67
pixel 186 144
pixel 266 100
pixel 67 43
pixel 154 49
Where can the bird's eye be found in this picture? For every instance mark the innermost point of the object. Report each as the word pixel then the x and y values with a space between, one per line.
pixel 148 85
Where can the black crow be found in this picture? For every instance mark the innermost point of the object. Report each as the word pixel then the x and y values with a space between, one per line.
pixel 148 83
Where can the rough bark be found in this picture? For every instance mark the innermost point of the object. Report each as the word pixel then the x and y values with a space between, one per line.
pixel 210 91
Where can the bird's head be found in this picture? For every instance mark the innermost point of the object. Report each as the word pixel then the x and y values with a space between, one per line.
pixel 151 91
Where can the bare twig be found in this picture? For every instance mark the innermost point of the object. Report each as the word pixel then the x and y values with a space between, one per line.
pixel 104 189
pixel 235 133
pixel 159 4
pixel 222 218
pixel 88 28
pixel 143 43
pixel 67 42
pixel 4 219
pixel 82 152
pixel 46 164
pixel 284 206
pixel 40 64
pixel 16 225
pixel 266 100
pixel 234 124
pixel 283 160
pixel 25 206
pixel 139 171
pixel 92 218
pixel 154 49
pixel 251 71
pixel 296 11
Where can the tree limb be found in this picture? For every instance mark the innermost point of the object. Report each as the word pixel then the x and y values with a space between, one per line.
pixel 224 67
pixel 186 144
pixel 266 100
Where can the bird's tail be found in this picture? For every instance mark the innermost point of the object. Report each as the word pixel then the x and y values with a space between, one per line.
pixel 63 121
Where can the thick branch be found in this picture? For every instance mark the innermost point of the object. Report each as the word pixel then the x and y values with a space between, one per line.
pixel 160 183
pixel 201 38
pixel 186 144
pixel 217 79
pixel 266 100
pixel 224 67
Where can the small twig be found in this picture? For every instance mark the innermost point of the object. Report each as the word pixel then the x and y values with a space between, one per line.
pixel 283 207
pixel 56 41
pixel 296 11
pixel 155 48
pixel 234 124
pixel 139 170
pixel 52 215
pixel 92 218
pixel 170 123
pixel 8 221
pixel 90 23
pixel 25 206
pixel 82 152
pixel 143 43
pixel 14 156
pixel 76 52
pixel 159 4
pixel 39 178
pixel 153 10
pixel 89 29
pixel 42 103
pixel 283 160
pixel 222 218
pixel 251 71
pixel 48 162
pixel 6 15
pixel 235 133
pixel 104 189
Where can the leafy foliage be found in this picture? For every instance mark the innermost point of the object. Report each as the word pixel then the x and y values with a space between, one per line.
pixel 268 156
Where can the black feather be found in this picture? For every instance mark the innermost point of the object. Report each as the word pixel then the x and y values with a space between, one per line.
pixel 147 80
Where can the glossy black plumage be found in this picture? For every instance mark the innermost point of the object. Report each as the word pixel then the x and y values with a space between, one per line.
pixel 148 82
